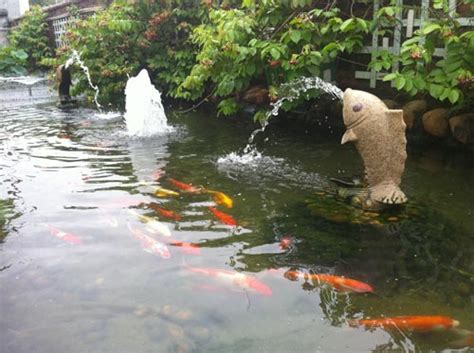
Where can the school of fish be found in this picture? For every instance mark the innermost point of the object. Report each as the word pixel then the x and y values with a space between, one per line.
pixel 240 281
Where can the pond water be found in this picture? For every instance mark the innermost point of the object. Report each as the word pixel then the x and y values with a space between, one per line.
pixel 96 289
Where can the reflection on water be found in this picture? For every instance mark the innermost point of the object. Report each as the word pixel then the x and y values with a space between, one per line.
pixel 102 251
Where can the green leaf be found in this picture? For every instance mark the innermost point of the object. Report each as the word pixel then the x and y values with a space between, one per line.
pixel 345 25
pixel 400 82
pixel 390 77
pixel 275 53
pixel 453 96
pixel 295 36
pixel 436 90
pixel 430 28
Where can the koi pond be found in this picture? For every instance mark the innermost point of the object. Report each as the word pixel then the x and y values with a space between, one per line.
pixel 117 244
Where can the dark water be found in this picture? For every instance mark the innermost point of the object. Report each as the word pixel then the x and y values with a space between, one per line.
pixel 78 172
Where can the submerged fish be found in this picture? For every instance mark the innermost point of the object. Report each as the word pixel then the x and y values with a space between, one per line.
pixel 185 187
pixel 411 323
pixel 164 212
pixel 379 134
pixel 223 217
pixel 152 225
pixel 162 192
pixel 236 279
pixel 221 198
pixel 149 244
pixel 340 283
pixel 158 174
pixel 186 247
pixel 466 339
pixel 286 242
pixel 67 237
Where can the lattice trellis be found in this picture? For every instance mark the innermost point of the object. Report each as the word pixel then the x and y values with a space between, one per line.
pixel 402 32
pixel 59 27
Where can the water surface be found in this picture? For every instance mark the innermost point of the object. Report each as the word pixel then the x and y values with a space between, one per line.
pixel 79 172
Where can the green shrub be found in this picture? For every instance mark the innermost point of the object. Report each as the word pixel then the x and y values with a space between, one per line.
pixel 31 37
pixel 117 42
pixel 13 62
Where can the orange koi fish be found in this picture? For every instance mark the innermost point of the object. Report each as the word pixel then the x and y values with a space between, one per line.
pixel 67 237
pixel 164 212
pixel 149 244
pixel 411 323
pixel 188 248
pixel 340 283
pixel 162 192
pixel 236 279
pixel 221 198
pixel 185 187
pixel 224 217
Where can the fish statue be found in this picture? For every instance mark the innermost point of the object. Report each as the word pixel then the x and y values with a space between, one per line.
pixel 379 135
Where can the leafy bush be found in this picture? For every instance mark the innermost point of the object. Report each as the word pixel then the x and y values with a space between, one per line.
pixel 117 42
pixel 31 37
pixel 267 42
pixel 450 78
pixel 13 62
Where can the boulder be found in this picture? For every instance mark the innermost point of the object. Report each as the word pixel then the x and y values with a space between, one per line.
pixel 435 122
pixel 462 127
pixel 412 110
pixel 256 95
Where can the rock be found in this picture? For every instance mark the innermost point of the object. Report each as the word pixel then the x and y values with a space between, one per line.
pixel 435 122
pixel 391 104
pixel 412 110
pixel 462 127
pixel 256 95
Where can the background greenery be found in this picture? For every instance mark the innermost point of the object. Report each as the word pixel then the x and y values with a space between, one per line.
pixel 218 50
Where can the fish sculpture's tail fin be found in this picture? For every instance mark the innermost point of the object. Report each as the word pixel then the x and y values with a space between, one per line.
pixel 387 193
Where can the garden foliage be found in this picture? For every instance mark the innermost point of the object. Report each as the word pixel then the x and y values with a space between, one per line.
pixel 200 49
pixel 28 44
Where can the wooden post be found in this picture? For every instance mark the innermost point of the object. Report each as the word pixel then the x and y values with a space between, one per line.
pixel 397 34
pixel 375 42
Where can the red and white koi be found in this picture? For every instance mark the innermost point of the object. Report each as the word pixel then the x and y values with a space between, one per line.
pixel 67 237
pixel 340 283
pixel 152 225
pixel 237 279
pixel 149 244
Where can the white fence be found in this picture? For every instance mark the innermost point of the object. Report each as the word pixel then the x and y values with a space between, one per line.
pixel 404 30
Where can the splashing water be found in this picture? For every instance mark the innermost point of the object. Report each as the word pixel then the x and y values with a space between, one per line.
pixel 290 91
pixel 145 115
pixel 76 57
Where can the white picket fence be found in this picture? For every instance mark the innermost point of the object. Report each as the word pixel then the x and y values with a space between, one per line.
pixel 403 31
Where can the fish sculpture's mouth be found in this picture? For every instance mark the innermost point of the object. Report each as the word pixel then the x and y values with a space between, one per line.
pixel 354 107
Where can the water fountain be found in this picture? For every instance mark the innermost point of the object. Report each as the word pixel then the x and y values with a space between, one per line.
pixel 379 134
pixel 289 92
pixel 76 57
pixel 145 115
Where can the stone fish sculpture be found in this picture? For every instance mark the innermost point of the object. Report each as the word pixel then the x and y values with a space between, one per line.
pixel 379 135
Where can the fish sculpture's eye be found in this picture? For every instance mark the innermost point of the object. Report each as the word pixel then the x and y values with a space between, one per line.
pixel 357 108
